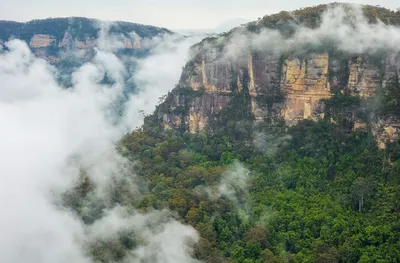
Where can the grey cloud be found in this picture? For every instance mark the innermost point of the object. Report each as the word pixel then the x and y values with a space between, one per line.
pixel 49 134
pixel 345 28
pixel 177 14
pixel 158 74
pixel 233 185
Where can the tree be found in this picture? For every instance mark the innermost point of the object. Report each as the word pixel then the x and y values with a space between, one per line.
pixel 204 250
pixel 193 216
pixel 361 189
pixel 349 251
pixel 258 235
pixel 178 201
pixel 268 256
pixel 325 253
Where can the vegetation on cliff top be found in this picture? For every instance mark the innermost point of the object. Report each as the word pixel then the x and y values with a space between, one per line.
pixel 308 17
pixel 79 28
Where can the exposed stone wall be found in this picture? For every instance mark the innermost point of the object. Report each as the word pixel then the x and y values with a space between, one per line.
pixel 290 89
pixel 364 76
pixel 392 70
pixel 305 83
pixel 386 131
pixel 40 41
pixel 204 107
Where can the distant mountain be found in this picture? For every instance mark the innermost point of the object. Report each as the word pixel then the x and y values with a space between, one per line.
pixel 49 36
pixel 69 42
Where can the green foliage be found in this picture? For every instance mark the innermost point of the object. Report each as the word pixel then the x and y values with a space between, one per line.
pixel 79 28
pixel 389 99
pixel 304 201
pixel 311 17
pixel 286 22
pixel 326 193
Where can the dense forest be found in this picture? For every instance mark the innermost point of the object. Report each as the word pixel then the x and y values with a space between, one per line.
pixel 314 192
pixel 317 191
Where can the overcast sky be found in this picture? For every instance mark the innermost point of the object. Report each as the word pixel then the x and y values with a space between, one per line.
pixel 173 14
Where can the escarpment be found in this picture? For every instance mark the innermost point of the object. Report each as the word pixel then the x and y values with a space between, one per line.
pixel 68 43
pixel 289 86
pixel 55 39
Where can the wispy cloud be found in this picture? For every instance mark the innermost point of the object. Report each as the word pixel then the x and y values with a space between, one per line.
pixel 50 133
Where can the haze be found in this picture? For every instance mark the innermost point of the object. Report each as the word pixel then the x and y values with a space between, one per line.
pixel 173 14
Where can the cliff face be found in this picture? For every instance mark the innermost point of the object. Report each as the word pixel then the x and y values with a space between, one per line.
pixel 286 87
pixel 68 43
pixel 53 39
pixel 305 83
pixel 302 82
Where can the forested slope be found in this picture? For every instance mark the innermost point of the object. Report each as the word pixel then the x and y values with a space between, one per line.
pixel 313 178
pixel 313 193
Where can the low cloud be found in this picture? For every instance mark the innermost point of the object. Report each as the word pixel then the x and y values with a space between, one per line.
pixel 343 26
pixel 233 185
pixel 50 134
pixel 158 74
pixel 153 230
pixel 269 143
pixel 234 182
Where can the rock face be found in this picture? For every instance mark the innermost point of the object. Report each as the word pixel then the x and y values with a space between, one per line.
pixel 305 83
pixel 386 131
pixel 53 39
pixel 68 43
pixel 39 41
pixel 364 76
pixel 289 88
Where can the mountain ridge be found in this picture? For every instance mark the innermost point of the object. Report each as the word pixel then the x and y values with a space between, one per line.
pixel 48 38
pixel 68 43
pixel 289 85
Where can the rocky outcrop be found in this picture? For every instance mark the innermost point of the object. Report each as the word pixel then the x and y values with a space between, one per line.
pixel 132 44
pixel 288 85
pixel 392 70
pixel 40 41
pixel 204 107
pixel 52 39
pixel 387 128
pixel 289 88
pixel 364 76
pixel 305 83
pixel 386 131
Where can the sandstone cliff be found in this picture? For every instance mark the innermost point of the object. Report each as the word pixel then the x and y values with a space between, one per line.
pixel 287 87
pixel 53 39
